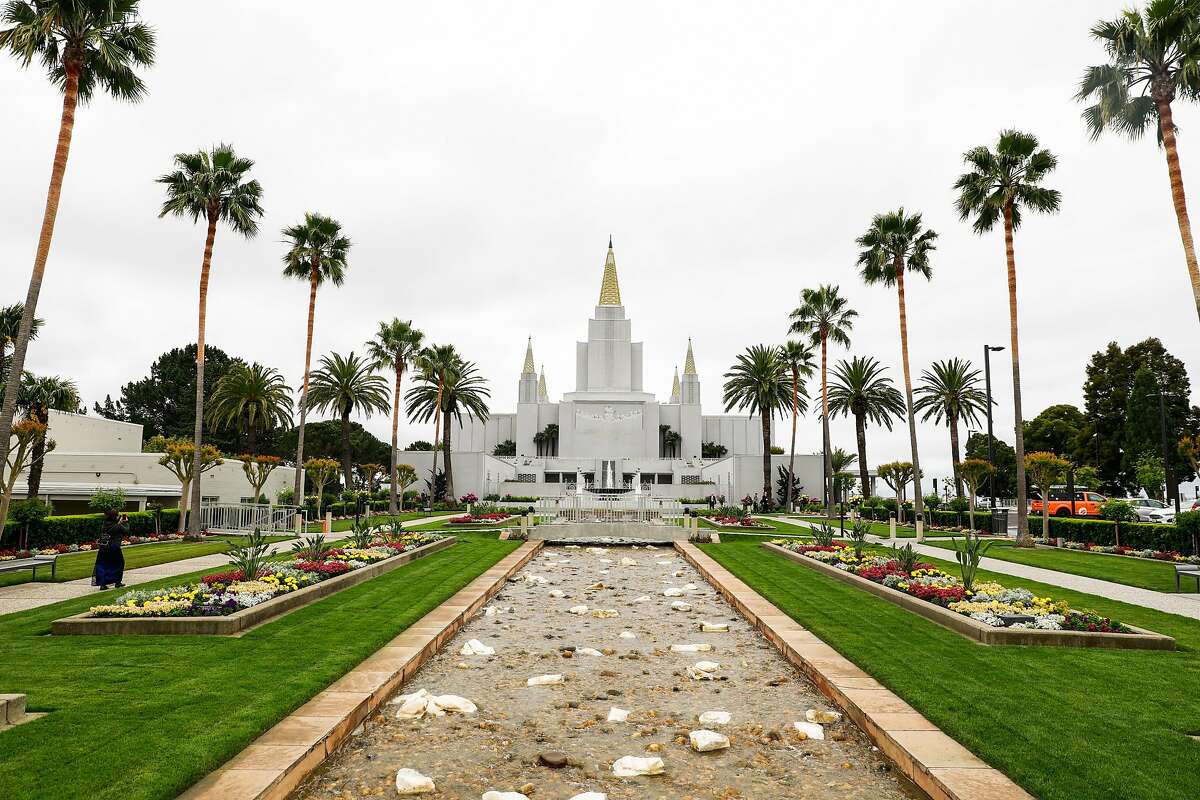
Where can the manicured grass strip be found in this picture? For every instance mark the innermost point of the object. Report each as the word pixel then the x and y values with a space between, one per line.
pixel 382 519
pixel 1066 724
pixel 146 716
pixel 877 528
pixel 1142 572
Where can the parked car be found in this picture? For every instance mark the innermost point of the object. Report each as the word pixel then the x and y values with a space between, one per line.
pixel 1087 502
pixel 1150 510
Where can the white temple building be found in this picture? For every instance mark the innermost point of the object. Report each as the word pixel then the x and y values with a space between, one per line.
pixel 610 431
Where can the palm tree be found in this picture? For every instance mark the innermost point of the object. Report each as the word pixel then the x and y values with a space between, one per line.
pixel 758 383
pixel 1154 57
pixel 799 359
pixel 396 346
pixel 38 397
pixel 82 44
pixel 894 243
pixel 344 385
pixel 997 186
pixel 435 362
pixel 251 399
pixel 842 462
pixel 317 253
pixel 861 389
pixel 454 388
pixel 824 316
pixel 950 392
pixel 213 186
pixel 10 326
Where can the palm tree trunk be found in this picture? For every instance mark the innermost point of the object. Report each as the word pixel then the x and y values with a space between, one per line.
pixel 198 434
pixel 766 428
pixel 347 466
pixel 312 310
pixel 1018 419
pixel 252 442
pixel 37 456
pixel 971 509
pixel 393 506
pixel 1167 127
pixel 437 428
pixel 827 466
pixel 791 476
pixel 449 465
pixel 918 499
pixel 185 493
pixel 66 127
pixel 955 455
pixel 860 433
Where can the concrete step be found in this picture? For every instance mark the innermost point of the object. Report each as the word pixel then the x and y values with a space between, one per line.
pixel 12 709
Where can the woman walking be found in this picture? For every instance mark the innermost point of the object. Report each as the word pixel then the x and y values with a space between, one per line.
pixel 110 562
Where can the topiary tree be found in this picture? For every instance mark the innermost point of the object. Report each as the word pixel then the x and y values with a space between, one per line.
pixel 406 476
pixel 1043 470
pixel 1118 511
pixel 104 500
pixel 321 471
pixel 258 470
pixel 178 458
pixel 973 471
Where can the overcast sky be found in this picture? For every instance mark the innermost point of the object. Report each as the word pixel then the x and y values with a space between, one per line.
pixel 480 155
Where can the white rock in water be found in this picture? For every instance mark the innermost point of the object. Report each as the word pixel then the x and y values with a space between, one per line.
pixel 591 796
pixel 544 680
pixel 556 593
pixel 811 730
pixel 617 714
pixel 412 706
pixel 453 703
pixel 489 611
pixel 679 605
pixel 626 561
pixel 703 670
pixel 535 579
pixel 503 796
pixel 572 547
pixel 714 627
pixel 714 718
pixel 643 599
pixel 409 781
pixel 578 609
pixel 605 613
pixel 822 717
pixel 633 766
pixel 597 550
pixel 628 635
pixel 477 648
pixel 588 651
pixel 663 563
pixel 704 741
pixel 673 592
pixel 651 547
pixel 690 587
pixel 678 574
pixel 691 648
pixel 606 561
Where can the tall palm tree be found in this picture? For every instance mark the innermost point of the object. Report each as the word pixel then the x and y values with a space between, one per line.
pixel 213 186
pixel 759 383
pixel 38 397
pixel 897 242
pixel 345 385
pixel 317 253
pixel 1154 58
pixel 860 389
pixel 950 392
pixel 82 45
pixel 799 359
pixel 450 389
pixel 824 316
pixel 842 462
pixel 435 362
pixel 996 188
pixel 10 326
pixel 251 399
pixel 396 346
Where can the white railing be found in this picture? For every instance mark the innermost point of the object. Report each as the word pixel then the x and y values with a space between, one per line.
pixel 248 517
pixel 609 508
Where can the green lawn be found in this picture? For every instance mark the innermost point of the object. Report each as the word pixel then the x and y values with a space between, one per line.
pixel 346 524
pixel 877 528
pixel 146 716
pixel 1143 572
pixel 1066 724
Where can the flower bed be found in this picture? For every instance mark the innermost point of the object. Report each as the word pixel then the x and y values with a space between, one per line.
pixel 224 593
pixel 492 518
pixel 741 522
pixel 1171 556
pixel 83 547
pixel 989 603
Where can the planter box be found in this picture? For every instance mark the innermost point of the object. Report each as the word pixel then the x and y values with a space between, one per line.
pixel 1140 639
pixel 84 625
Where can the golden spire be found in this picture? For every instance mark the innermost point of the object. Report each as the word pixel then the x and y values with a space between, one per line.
pixel 675 388
pixel 689 364
pixel 610 290
pixel 543 395
pixel 529 368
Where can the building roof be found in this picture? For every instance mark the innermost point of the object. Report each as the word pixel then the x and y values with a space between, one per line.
pixel 675 395
pixel 610 289
pixel 543 395
pixel 689 364
pixel 529 369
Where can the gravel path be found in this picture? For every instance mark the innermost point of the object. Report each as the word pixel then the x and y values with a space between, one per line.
pixel 518 730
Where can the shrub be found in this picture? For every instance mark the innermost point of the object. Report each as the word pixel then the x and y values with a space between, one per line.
pixel 1117 510
pixel 77 528
pixel 103 500
pixel 1142 535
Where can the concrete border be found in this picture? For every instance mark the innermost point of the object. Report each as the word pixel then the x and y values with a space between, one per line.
pixel 274 764
pixel 85 625
pixel 940 766
pixel 975 630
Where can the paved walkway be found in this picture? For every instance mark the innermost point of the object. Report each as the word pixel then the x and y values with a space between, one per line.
pixel 1185 605
pixel 25 596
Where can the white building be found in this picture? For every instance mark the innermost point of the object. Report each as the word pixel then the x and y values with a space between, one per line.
pixel 610 430
pixel 93 453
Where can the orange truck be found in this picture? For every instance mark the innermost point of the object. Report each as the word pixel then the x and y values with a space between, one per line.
pixel 1087 502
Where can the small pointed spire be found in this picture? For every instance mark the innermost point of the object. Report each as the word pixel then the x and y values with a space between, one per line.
pixel 675 393
pixel 529 369
pixel 689 363
pixel 610 290
pixel 543 395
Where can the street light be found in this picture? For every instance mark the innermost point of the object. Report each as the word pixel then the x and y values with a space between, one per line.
pixel 987 379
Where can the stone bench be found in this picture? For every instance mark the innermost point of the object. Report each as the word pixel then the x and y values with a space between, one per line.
pixel 31 563
pixel 12 709
pixel 1188 571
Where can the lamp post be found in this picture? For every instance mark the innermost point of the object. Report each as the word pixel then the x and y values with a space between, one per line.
pixel 987 379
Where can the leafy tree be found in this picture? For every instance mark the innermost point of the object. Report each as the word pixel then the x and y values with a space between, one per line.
pixel 897 475
pixel 317 253
pixel 861 389
pixel 213 185
pixel 346 385
pixel 1059 429
pixel 38 396
pixel 320 471
pixel 396 346
pixel 110 410
pixel 1154 57
pixel 83 45
pixel 1044 470
pixel 894 244
pixel 974 471
pixel 1150 474
pixel 758 383
pixel 455 387
pixel 251 400
pixel 179 457
pixel 406 476
pixel 25 435
pixel 422 446
pixel 799 359
pixel 950 392
pixel 258 471
pixel 324 440
pixel 506 448
pixel 1005 462
pixel 1087 477
pixel 997 187
pixel 712 450
pixel 824 316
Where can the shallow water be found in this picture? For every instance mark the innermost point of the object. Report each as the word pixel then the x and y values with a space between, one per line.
pixel 499 746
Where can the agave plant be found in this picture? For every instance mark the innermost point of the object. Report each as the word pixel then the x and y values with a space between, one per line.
pixel 251 556
pixel 363 534
pixel 906 557
pixel 823 534
pixel 393 531
pixel 969 555
pixel 311 548
pixel 858 536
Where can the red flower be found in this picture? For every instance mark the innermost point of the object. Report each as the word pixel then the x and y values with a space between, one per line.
pixel 324 568
pixel 223 578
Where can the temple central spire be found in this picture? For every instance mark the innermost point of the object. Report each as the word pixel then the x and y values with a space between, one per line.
pixel 610 290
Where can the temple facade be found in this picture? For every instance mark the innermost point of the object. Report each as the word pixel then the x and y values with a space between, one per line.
pixel 609 430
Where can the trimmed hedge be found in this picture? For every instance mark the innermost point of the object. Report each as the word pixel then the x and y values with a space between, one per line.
pixel 78 528
pixel 957 519
pixel 1142 535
